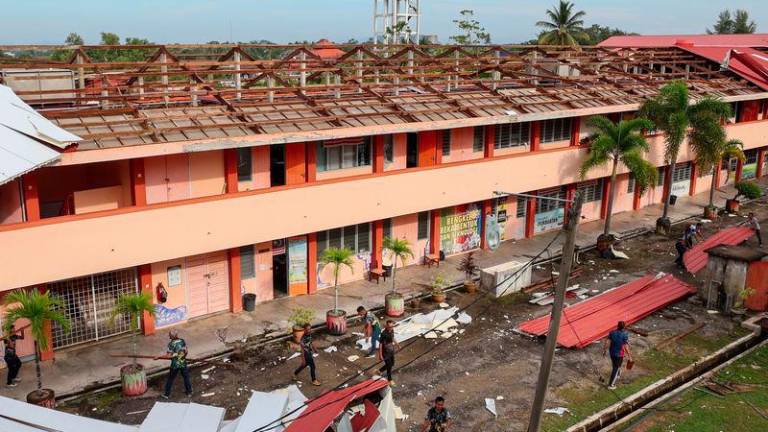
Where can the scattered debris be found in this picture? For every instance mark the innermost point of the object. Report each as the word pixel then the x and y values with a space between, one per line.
pixel 293 356
pixel 679 336
pixel 205 371
pixel 559 411
pixel 137 412
pixel 490 405
pixel 205 395
pixel 353 358
pixel 331 349
pixel 444 305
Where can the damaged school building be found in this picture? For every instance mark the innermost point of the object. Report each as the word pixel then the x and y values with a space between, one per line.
pixel 201 173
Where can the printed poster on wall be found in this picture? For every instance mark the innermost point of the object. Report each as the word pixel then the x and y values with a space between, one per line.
pixel 297 261
pixel 460 231
pixel 681 188
pixel 549 220
pixel 749 171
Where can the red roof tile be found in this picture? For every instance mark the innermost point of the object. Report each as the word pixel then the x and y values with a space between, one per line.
pixel 696 258
pixel 664 41
pixel 592 319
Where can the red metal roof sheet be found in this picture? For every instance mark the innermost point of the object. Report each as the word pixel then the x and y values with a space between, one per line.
pixel 592 319
pixel 323 410
pixel 664 41
pixel 748 63
pixel 696 258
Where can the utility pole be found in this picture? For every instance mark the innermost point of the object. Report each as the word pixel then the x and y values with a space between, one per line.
pixel 548 356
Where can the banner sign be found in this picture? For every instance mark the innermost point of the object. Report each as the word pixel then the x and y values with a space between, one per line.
pixel 297 260
pixel 460 232
pixel 749 171
pixel 549 220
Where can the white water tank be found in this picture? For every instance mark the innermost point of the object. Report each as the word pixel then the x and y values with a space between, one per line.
pixel 507 278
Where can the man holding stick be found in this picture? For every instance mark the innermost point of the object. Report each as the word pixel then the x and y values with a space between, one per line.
pixel 177 353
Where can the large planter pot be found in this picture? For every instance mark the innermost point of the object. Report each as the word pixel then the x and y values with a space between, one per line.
pixel 44 398
pixel 298 332
pixel 663 226
pixel 336 321
pixel 394 305
pixel 732 205
pixel 134 379
pixel 438 297
pixel 470 287
pixel 604 243
pixel 710 212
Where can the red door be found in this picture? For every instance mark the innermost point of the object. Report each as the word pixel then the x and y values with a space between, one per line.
pixel 757 279
pixel 207 284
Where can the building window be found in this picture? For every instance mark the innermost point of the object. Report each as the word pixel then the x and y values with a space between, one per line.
pixel 244 163
pixel 387 228
pixel 512 135
pixel 423 226
pixel 751 157
pixel 631 184
pixel 247 262
pixel 556 130
pixel 478 139
pixel 446 136
pixel 544 205
pixel 660 174
pixel 591 191
pixel 356 238
pixel 389 149
pixel 522 205
pixel 342 154
pixel 732 163
pixel 682 173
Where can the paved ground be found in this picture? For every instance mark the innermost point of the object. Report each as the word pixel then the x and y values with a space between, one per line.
pixel 79 368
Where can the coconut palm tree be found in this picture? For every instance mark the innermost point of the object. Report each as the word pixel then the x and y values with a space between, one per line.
pixel 38 308
pixel 133 306
pixel 619 143
pixel 673 114
pixel 400 250
pixel 564 27
pixel 338 258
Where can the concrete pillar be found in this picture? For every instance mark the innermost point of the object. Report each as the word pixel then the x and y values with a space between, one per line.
pixel 377 243
pixel 311 263
pixel 575 131
pixel 606 193
pixel 164 75
pixel 230 170
pixel 145 286
pixel 760 163
pixel 484 212
pixel 303 71
pixel 535 136
pixel 235 294
pixel 138 183
pixel 739 169
pixel 378 154
pixel 31 198
pixel 530 216
pixel 694 176
pixel 237 76
pixel 311 168
pixel 490 140
pixel 359 71
pixel 434 232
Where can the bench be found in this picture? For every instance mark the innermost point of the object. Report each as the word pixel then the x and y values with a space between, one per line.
pixel 377 273
pixel 432 259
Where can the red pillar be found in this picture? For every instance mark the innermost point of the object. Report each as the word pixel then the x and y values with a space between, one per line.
pixel 739 168
pixel 570 193
pixel 235 296
pixel 490 140
pixel 31 198
pixel 667 184
pixel 484 212
pixel 138 183
pixel 311 166
pixel 604 197
pixel 760 160
pixel 145 285
pixel 311 263
pixel 530 216
pixel 636 198
pixel 230 170
pixel 377 244
pixel 48 354
pixel 378 154
pixel 575 131
pixel 535 136
pixel 694 176
pixel 434 232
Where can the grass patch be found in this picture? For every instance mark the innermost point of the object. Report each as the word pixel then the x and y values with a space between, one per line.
pixel 584 401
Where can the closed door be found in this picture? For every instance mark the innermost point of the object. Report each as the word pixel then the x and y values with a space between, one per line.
pixel 207 284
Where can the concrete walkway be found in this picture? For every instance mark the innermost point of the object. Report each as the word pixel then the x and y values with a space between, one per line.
pixel 81 367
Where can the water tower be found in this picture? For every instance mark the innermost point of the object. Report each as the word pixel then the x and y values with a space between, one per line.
pixel 396 21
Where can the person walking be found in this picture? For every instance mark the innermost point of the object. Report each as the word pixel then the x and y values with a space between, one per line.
pixel 307 357
pixel 438 418
pixel 753 224
pixel 372 328
pixel 617 345
pixel 11 358
pixel 693 234
pixel 387 347
pixel 681 248
pixel 177 353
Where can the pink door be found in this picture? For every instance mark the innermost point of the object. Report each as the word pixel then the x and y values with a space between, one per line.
pixel 207 284
pixel 167 178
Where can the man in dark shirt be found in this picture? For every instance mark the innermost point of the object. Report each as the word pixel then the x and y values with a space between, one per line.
pixel 372 328
pixel 388 346
pixel 438 418
pixel 11 357
pixel 307 356
pixel 177 353
pixel 617 345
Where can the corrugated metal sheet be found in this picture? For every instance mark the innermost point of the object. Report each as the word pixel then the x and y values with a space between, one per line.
pixel 663 41
pixel 696 258
pixel 592 319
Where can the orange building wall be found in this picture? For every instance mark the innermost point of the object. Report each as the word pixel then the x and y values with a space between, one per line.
pixel 206 174
pixel 461 146
pixel 623 200
pixel 399 145
pixel 177 295
pixel 10 203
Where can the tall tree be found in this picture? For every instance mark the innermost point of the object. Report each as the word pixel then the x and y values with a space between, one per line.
pixel 672 113
pixel 400 249
pixel 74 39
pixel 471 31
pixel 724 24
pixel 596 33
pixel 337 258
pixel 742 24
pixel 565 26
pixel 108 38
pixel 738 23
pixel 619 143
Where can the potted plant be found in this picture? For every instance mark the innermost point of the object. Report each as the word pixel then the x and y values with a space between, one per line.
pixel 39 308
pixel 438 285
pixel 615 144
pixel 336 319
pixel 133 376
pixel 747 189
pixel 739 309
pixel 470 269
pixel 298 318
pixel 399 249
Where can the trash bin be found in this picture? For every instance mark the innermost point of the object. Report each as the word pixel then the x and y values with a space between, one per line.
pixel 672 199
pixel 249 302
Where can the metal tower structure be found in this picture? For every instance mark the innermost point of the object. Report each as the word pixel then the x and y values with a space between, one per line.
pixel 396 21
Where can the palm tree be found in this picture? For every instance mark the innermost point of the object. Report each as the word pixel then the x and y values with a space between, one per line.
pixel 400 249
pixel 617 143
pixel 672 113
pixel 337 257
pixel 38 308
pixel 133 305
pixel 564 26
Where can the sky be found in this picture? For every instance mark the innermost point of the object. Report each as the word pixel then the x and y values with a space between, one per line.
pixel 283 21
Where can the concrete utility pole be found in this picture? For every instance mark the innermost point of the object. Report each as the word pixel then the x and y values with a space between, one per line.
pixel 548 356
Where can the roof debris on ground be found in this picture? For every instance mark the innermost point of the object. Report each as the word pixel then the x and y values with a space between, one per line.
pixel 696 258
pixel 440 322
pixel 592 319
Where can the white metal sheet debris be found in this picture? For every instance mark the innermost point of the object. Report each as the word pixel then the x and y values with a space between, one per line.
pixel 331 349
pixel 426 325
pixel 180 417
pixel 262 409
pixel 559 411
pixel 490 405
pixel 47 419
